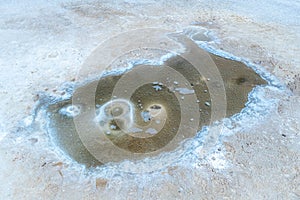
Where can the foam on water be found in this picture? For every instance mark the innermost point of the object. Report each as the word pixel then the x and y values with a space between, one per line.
pixel 151 131
pixel 70 110
pixel 119 110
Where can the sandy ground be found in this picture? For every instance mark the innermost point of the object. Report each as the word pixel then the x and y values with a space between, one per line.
pixel 43 45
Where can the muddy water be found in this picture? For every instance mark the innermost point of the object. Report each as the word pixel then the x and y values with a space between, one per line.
pixel 239 80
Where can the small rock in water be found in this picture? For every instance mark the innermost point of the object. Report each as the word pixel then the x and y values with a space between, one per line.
pixel 185 91
pixel 113 127
pixel 157 87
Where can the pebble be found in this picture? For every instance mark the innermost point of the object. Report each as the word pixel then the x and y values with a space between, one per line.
pixel 207 103
pixel 157 87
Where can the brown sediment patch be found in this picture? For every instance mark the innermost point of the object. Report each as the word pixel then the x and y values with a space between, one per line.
pixel 239 80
